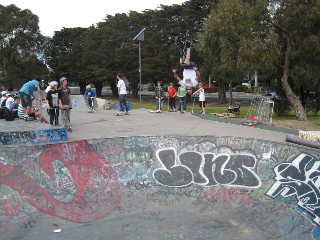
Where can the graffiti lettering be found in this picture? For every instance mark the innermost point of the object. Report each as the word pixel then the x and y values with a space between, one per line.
pixel 33 137
pixel 299 179
pixel 227 195
pixel 206 169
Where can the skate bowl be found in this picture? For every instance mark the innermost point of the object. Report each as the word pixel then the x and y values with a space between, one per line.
pixel 160 187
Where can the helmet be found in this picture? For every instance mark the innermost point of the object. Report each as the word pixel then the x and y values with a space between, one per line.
pixel 88 87
pixel 53 84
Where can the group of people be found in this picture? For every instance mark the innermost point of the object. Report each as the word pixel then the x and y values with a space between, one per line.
pixel 181 94
pixel 57 100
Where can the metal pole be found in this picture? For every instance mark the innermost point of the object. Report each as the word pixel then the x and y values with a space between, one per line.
pixel 140 71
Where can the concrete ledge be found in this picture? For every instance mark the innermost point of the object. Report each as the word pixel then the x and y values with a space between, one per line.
pixel 33 136
pixel 310 135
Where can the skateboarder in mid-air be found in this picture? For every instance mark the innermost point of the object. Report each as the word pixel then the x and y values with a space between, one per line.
pixel 191 74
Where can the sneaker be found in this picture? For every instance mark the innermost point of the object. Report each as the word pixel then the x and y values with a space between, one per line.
pixel 119 113
pixel 128 113
pixel 29 118
pixel 158 111
pixel 69 129
pixel 203 114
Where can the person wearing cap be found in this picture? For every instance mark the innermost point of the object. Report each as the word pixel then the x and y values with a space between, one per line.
pixel 26 93
pixel 9 100
pixel 172 92
pixel 90 94
pixel 53 99
pixel 202 99
pixel 65 103
pixel 3 97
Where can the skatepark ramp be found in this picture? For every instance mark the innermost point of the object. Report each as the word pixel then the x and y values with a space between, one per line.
pixel 160 187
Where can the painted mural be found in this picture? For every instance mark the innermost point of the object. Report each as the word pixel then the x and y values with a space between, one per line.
pixel 259 188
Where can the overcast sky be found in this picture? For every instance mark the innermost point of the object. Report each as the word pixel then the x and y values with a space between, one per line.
pixel 54 15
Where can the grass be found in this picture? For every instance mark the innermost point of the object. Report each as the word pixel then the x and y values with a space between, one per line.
pixel 212 107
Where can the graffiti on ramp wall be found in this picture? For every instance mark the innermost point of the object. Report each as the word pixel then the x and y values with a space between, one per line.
pixel 272 187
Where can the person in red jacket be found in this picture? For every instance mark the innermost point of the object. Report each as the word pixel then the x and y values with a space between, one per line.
pixel 172 92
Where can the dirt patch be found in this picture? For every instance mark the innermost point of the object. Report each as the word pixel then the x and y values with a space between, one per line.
pixel 298 125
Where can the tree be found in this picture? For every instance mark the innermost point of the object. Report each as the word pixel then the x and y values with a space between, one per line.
pixel 96 54
pixel 20 42
pixel 232 41
pixel 297 24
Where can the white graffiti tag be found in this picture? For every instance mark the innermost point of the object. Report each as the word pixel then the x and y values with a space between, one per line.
pixel 206 169
pixel 299 179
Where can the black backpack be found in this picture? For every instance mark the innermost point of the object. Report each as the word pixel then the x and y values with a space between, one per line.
pixel 8 116
pixel 2 112
pixel 3 104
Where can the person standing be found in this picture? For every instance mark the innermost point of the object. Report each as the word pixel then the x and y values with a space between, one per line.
pixel 159 94
pixel 122 91
pixel 182 95
pixel 65 103
pixel 172 92
pixel 25 94
pixel 202 99
pixel 53 99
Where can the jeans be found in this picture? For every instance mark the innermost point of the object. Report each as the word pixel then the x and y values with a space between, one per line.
pixel 123 103
pixel 182 103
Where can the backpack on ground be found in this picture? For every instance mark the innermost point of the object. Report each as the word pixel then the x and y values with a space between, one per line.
pixel 8 116
pixel 2 111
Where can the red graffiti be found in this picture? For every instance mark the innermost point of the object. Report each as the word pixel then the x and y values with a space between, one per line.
pixel 96 189
pixel 227 195
pixel 9 210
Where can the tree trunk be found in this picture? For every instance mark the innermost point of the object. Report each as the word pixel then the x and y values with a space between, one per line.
pixel 292 97
pixel 98 86
pixel 222 93
pixel 230 93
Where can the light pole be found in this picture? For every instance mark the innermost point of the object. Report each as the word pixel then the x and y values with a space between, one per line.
pixel 140 37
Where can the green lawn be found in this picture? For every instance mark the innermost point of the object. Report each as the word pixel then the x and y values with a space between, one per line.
pixel 211 107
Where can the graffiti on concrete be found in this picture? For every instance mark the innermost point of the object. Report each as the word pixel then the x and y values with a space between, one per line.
pixel 84 181
pixel 33 137
pixel 225 196
pixel 206 169
pixel 80 187
pixel 300 181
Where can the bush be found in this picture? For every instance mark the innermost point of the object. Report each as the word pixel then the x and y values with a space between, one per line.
pixel 240 88
pixel 281 107
pixel 249 90
pixel 211 90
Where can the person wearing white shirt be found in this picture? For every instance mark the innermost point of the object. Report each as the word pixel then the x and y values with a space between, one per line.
pixel 122 91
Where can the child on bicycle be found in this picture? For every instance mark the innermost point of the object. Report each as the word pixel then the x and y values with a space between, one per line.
pixel 90 94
